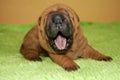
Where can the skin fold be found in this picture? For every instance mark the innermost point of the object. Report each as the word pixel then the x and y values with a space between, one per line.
pixel 55 20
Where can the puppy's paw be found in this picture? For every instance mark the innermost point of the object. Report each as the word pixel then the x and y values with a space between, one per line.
pixel 36 59
pixel 70 66
pixel 105 58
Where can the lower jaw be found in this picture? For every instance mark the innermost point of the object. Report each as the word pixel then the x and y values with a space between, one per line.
pixel 61 51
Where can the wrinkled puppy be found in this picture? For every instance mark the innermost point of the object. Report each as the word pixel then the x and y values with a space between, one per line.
pixel 59 36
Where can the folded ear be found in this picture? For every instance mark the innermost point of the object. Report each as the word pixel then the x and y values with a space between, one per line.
pixel 77 17
pixel 73 15
pixel 39 20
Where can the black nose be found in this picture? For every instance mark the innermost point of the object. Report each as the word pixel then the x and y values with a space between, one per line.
pixel 57 18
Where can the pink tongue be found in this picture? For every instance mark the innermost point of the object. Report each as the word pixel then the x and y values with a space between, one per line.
pixel 60 42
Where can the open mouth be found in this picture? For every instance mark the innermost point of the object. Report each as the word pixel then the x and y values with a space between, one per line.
pixel 60 42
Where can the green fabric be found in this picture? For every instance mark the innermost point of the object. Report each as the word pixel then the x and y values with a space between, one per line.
pixel 103 37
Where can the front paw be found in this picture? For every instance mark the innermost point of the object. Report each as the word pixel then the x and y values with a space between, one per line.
pixel 70 66
pixel 105 58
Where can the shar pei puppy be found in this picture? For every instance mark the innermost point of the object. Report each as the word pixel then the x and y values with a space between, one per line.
pixel 59 36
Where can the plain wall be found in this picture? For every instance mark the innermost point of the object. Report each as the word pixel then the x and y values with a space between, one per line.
pixel 28 11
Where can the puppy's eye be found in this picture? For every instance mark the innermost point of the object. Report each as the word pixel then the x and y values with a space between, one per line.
pixel 73 18
pixel 39 20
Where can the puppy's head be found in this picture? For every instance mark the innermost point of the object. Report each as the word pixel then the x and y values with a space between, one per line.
pixel 59 28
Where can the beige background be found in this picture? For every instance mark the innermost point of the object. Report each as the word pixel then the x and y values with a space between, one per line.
pixel 28 11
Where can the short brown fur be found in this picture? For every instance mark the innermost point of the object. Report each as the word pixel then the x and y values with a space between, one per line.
pixel 35 43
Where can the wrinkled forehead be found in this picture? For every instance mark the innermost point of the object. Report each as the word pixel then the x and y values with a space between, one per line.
pixel 58 14
pixel 67 12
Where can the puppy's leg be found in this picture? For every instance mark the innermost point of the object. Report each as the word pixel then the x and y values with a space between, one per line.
pixel 30 47
pixel 64 61
pixel 30 54
pixel 92 53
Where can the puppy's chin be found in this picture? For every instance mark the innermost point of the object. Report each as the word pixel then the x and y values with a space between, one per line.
pixel 59 31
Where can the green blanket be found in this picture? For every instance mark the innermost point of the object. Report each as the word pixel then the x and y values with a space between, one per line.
pixel 103 37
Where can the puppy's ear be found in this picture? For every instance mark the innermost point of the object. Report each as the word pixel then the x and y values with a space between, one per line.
pixel 39 20
pixel 78 18
pixel 75 16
